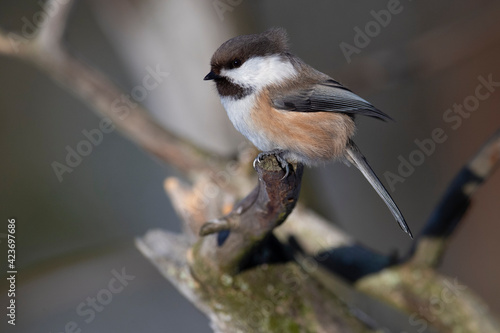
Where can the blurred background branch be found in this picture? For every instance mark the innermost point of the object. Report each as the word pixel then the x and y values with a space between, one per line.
pixel 48 53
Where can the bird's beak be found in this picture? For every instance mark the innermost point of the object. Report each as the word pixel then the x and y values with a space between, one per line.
pixel 212 76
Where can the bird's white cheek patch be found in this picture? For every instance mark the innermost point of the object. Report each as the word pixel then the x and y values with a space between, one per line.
pixel 260 72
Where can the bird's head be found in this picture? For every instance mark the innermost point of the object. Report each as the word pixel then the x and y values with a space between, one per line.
pixel 247 63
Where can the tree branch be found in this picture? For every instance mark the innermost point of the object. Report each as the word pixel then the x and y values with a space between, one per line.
pixel 410 287
pixel 455 203
pixel 261 298
pixel 250 222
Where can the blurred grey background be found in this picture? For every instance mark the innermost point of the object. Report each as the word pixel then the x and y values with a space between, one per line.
pixel 71 235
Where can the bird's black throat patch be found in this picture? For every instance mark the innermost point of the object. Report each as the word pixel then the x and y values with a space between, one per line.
pixel 228 88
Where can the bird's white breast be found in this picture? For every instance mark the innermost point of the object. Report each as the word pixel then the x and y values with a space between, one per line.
pixel 239 112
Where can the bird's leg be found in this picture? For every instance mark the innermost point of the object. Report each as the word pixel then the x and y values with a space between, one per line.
pixel 278 153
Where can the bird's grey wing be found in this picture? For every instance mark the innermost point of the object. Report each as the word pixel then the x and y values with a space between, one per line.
pixel 327 96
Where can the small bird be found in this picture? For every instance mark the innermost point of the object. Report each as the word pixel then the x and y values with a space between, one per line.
pixel 289 109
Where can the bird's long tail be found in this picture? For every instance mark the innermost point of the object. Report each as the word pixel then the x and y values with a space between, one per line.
pixel 356 158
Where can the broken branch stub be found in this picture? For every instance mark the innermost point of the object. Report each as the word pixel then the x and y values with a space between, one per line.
pixel 229 241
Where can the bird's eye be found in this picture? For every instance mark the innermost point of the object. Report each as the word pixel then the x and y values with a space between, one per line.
pixel 235 63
